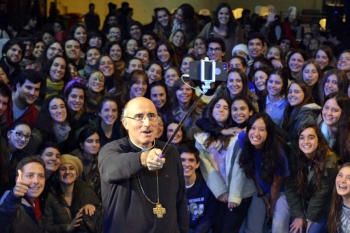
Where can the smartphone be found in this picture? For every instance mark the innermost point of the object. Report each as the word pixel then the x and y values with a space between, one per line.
pixel 220 71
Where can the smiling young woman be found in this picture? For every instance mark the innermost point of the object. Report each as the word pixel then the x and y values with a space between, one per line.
pixel 69 191
pixel 313 170
pixel 225 27
pixel 218 157
pixel 335 124
pixel 300 108
pixel 264 160
pixel 338 214
pixel 56 128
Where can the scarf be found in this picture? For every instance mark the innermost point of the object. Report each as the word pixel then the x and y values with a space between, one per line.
pixel 53 88
pixel 61 131
pixel 92 104
pixel 35 205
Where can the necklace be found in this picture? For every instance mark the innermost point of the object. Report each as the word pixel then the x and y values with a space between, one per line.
pixel 158 210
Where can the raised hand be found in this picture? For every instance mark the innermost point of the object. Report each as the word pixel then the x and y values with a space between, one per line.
pixel 151 159
pixel 271 15
pixel 22 186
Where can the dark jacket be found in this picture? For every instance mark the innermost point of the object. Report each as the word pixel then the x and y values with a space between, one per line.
pixel 307 114
pixel 316 203
pixel 58 215
pixel 17 215
pixel 125 208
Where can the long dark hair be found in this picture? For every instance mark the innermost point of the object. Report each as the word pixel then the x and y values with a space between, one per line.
pixel 46 70
pixel 342 137
pixel 244 79
pixel 328 51
pixel 44 121
pixel 173 61
pixel 296 51
pixel 43 57
pixel 225 140
pixel 318 161
pixel 271 154
pixel 117 80
pixel 167 102
pixel 250 105
pixel 189 18
pixel 342 79
pixel 84 134
pixel 336 207
pixel 291 112
pixel 231 24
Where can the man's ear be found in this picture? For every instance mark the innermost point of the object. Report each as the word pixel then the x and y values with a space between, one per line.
pixel 125 123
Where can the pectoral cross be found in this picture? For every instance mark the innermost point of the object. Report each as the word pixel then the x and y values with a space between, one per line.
pixel 159 210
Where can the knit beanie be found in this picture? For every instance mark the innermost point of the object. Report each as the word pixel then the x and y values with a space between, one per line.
pixel 241 47
pixel 73 160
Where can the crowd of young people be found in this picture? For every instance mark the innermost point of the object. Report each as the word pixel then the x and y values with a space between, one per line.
pixel 260 151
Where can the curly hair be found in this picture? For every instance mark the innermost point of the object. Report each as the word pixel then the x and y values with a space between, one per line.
pixel 342 137
pixel 273 148
pixel 250 106
pixel 189 18
pixel 225 140
pixel 44 122
pixel 318 160
pixel 336 206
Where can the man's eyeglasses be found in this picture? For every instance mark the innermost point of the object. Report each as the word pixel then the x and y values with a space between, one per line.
pixel 214 49
pixel 141 117
pixel 20 135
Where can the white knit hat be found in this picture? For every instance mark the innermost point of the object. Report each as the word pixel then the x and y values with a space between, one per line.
pixel 241 47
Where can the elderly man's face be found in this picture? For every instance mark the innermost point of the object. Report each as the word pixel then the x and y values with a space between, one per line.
pixel 143 132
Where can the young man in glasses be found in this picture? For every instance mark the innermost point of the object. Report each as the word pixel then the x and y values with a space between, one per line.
pixel 134 169
pixel 216 49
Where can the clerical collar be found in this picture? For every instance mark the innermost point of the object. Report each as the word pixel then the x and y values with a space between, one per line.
pixel 138 149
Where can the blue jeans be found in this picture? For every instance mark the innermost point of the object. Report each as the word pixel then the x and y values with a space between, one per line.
pixel 318 227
